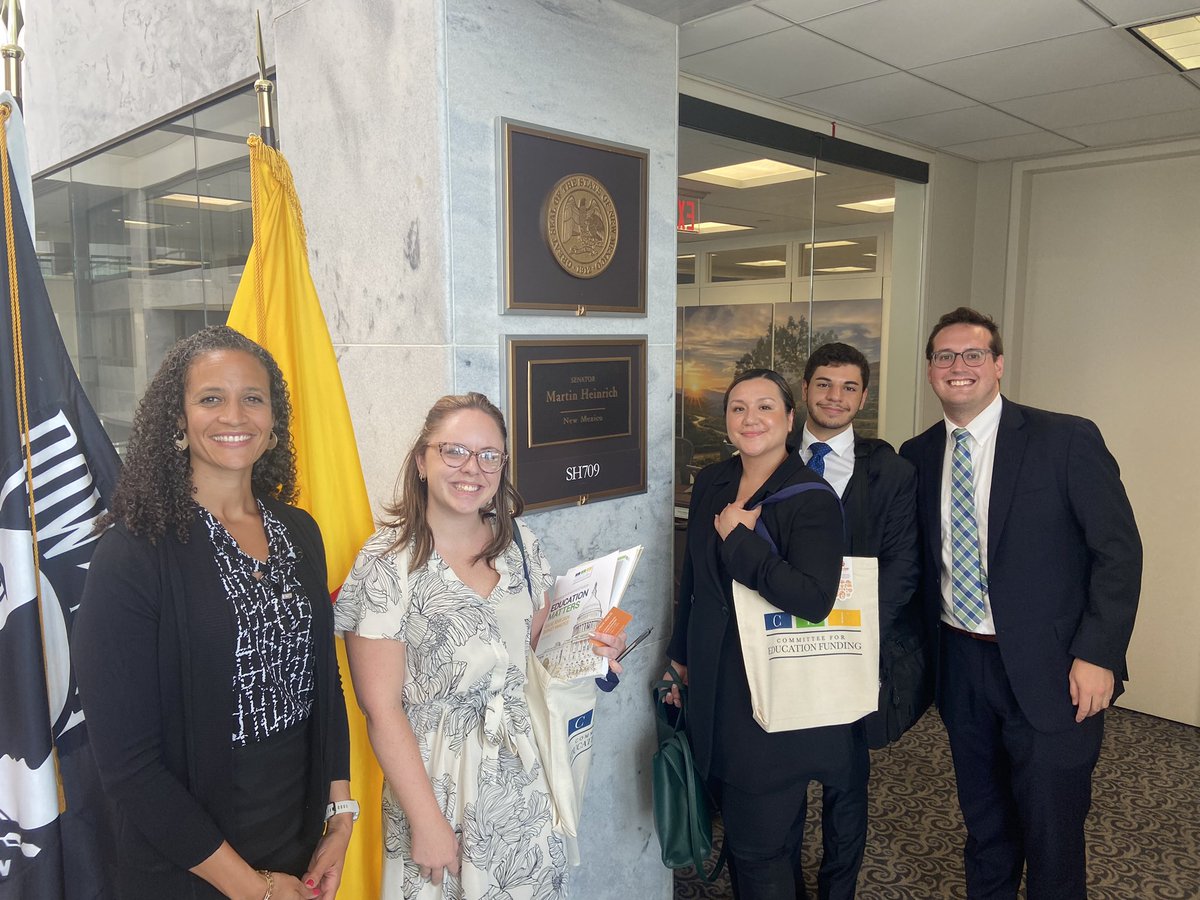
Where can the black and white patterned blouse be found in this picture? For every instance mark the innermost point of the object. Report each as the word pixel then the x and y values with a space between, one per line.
pixel 273 675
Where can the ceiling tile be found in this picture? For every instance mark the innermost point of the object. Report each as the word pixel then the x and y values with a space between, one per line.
pixel 726 28
pixel 806 10
pixel 956 126
pixel 1060 64
pixel 911 33
pixel 1132 12
pixel 881 99
pixel 1106 102
pixel 790 61
pixel 1013 147
pixel 1131 131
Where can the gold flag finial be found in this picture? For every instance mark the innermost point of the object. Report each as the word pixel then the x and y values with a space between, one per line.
pixel 10 12
pixel 262 88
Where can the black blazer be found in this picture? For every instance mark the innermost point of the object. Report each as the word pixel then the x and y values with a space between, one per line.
pixel 727 742
pixel 153 649
pixel 1064 555
pixel 886 525
pixel 881 520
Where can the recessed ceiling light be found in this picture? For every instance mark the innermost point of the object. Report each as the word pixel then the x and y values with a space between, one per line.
pixel 175 262
pixel 139 223
pixel 882 205
pixel 835 269
pixel 820 244
pixel 203 201
pixel 871 254
pixel 773 263
pixel 714 227
pixel 1178 40
pixel 755 173
pixel 686 256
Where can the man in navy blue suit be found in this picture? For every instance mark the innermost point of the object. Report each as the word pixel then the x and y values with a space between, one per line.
pixel 1031 572
pixel 879 492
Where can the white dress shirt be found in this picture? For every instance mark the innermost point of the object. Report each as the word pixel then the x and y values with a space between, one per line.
pixel 839 461
pixel 981 441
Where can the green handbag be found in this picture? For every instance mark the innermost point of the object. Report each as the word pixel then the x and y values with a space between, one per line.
pixel 682 810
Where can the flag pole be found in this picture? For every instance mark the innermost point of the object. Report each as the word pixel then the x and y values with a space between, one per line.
pixel 263 89
pixel 11 51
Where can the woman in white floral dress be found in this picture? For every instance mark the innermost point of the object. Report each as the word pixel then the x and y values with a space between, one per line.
pixel 439 613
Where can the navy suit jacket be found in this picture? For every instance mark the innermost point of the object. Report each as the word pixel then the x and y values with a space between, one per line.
pixel 1064 555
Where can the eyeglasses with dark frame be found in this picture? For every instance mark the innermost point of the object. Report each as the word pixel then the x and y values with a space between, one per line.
pixel 454 455
pixel 973 357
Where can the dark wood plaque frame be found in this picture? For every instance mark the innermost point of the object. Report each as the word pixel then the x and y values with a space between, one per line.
pixel 577 418
pixel 532 161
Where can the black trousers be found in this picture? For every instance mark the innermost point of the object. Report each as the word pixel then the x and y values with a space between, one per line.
pixel 1024 793
pixel 843 836
pixel 765 833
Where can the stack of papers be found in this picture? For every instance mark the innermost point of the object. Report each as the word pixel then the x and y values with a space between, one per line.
pixel 585 600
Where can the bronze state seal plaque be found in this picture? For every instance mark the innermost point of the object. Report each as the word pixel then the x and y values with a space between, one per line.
pixel 581 225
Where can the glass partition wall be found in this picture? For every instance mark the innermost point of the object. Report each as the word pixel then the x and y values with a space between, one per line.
pixel 144 243
pixel 779 253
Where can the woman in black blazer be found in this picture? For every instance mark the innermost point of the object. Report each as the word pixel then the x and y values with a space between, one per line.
pixel 204 645
pixel 759 779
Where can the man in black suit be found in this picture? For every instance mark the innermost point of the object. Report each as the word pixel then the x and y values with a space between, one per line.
pixel 1031 573
pixel 879 495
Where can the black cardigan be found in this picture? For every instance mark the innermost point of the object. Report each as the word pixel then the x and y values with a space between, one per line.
pixel 803 580
pixel 153 649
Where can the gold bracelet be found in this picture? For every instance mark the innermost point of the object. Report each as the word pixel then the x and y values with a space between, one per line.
pixel 270 877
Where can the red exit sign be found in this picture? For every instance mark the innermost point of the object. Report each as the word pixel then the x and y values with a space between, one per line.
pixel 689 211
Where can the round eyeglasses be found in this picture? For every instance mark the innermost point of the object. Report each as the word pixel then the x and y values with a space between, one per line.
pixel 490 459
pixel 944 359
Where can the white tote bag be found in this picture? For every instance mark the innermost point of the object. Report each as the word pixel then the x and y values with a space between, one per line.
pixel 561 713
pixel 807 674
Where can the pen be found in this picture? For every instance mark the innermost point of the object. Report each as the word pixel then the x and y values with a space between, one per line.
pixel 637 640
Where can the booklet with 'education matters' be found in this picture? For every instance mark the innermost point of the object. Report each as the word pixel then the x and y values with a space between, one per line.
pixel 580 601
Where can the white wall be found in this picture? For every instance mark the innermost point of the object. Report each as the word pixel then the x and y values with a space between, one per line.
pixel 949 258
pixel 1105 321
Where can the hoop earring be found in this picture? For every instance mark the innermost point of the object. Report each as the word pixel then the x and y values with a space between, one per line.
pixel 421 477
pixel 273 442
pixel 181 441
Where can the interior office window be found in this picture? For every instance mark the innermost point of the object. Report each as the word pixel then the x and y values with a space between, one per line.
pixel 748 264
pixel 143 243
pixel 685 268
pixel 847 255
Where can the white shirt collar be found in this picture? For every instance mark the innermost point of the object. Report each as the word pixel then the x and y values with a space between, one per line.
pixel 983 426
pixel 841 444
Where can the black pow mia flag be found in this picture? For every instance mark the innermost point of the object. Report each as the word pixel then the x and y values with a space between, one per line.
pixel 45 854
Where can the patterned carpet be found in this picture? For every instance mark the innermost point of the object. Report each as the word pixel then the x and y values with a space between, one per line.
pixel 1143 831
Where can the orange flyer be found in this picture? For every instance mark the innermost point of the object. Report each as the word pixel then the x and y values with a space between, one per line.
pixel 614 622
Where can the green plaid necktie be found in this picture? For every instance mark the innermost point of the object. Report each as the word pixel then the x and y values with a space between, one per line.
pixel 967 580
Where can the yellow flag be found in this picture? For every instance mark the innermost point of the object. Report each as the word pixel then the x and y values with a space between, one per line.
pixel 277 306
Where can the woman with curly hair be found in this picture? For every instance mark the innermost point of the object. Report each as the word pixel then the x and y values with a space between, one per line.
pixel 439 614
pixel 204 645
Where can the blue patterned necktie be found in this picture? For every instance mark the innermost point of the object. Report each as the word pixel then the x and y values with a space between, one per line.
pixel 967 580
pixel 816 462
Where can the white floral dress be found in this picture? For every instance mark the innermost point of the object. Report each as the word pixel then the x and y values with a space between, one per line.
pixel 465 699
